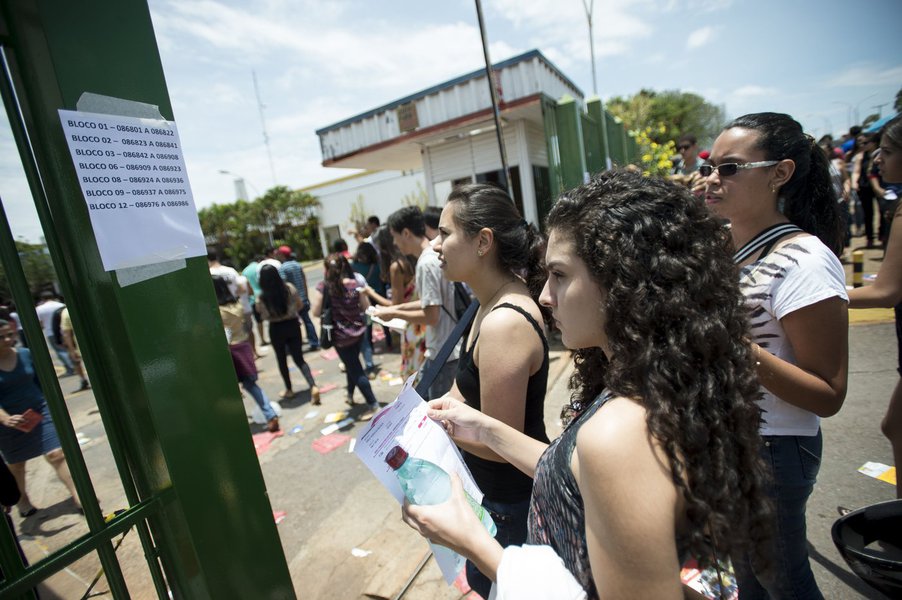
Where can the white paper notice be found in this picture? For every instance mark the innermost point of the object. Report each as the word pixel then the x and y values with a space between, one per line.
pixel 133 177
pixel 404 422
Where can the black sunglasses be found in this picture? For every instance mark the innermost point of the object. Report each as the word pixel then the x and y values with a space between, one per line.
pixel 729 169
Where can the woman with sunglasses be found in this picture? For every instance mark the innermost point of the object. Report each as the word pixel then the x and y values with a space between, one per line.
pixel 772 183
pixel 887 290
pixel 661 459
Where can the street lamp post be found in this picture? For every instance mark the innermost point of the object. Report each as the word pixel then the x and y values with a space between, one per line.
pixel 589 7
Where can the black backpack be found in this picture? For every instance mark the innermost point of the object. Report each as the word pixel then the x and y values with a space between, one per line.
pixel 462 300
pixel 56 323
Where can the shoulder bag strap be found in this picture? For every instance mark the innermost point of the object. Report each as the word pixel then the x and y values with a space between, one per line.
pixel 436 365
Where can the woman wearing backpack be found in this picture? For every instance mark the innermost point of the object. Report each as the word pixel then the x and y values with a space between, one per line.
pixel 343 289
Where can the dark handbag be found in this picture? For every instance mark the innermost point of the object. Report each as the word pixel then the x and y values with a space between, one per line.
pixel 326 323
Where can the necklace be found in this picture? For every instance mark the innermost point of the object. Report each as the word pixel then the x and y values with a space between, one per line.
pixel 488 304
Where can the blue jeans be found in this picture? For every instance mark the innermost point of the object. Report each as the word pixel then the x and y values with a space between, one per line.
pixel 510 519
pixel 250 384
pixel 443 381
pixel 63 355
pixel 304 314
pixel 795 461
pixel 366 347
pixel 356 376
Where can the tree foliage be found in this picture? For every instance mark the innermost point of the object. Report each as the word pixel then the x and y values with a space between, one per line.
pixel 898 104
pixel 38 268
pixel 241 229
pixel 680 112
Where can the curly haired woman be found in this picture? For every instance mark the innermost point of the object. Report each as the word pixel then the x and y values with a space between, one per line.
pixel 773 183
pixel 660 461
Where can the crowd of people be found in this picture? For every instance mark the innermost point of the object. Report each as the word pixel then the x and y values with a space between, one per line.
pixel 708 320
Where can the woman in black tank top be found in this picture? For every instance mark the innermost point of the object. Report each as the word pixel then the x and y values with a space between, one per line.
pixel 661 460
pixel 503 366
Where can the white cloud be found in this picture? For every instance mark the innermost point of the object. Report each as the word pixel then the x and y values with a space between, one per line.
pixel 750 91
pixel 700 37
pixel 866 75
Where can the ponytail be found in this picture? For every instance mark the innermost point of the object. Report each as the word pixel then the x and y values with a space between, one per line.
pixel 811 202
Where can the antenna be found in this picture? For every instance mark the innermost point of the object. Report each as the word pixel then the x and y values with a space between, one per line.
pixel 261 106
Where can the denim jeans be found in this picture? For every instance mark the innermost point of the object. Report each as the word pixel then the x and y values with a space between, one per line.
pixel 795 461
pixel 250 384
pixel 312 337
pixel 366 347
pixel 350 356
pixel 510 519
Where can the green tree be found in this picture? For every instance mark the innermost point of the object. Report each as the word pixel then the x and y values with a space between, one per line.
pixel 680 112
pixel 243 229
pixel 898 104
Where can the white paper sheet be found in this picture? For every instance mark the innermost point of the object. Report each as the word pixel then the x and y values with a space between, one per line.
pixel 135 184
pixel 404 422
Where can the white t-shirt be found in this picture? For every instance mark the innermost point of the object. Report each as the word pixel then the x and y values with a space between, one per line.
pixel 45 315
pixel 435 290
pixel 796 274
pixel 237 285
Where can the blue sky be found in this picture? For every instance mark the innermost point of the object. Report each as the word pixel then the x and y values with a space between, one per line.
pixel 318 62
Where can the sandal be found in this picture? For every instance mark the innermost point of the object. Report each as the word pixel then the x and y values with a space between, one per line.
pixel 314 396
pixel 286 394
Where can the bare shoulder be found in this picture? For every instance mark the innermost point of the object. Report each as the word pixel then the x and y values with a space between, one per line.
pixel 617 430
pixel 504 320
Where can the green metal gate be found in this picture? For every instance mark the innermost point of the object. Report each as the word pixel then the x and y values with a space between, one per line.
pixel 155 350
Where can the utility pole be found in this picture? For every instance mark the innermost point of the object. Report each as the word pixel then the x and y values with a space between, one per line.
pixel 261 106
pixel 590 7
pixel 489 73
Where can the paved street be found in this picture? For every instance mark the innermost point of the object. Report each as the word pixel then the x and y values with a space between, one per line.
pixel 335 510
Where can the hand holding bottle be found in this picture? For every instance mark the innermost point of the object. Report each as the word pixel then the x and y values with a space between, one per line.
pixel 452 524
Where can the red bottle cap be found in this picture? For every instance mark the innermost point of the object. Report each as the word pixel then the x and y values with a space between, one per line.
pixel 396 457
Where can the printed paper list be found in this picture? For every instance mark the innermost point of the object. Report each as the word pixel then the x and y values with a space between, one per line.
pixel 133 177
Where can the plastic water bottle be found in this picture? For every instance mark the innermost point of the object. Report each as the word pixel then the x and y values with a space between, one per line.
pixel 426 483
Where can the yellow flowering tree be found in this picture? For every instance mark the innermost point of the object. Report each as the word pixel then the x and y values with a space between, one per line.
pixel 654 157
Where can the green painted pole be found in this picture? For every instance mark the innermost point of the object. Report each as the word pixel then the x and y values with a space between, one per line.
pixel 156 349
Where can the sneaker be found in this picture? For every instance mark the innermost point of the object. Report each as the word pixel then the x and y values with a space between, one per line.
pixel 368 414
pixel 314 396
pixel 349 400
pixel 342 367
pixel 371 375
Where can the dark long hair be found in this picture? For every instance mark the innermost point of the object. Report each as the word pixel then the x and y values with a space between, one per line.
pixel 224 295
pixel 336 268
pixel 388 254
pixel 677 325
pixel 521 247
pixel 809 198
pixel 275 292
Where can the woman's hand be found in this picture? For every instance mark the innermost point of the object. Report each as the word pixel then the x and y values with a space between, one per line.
pixel 12 421
pixel 461 422
pixel 452 524
pixel 385 313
